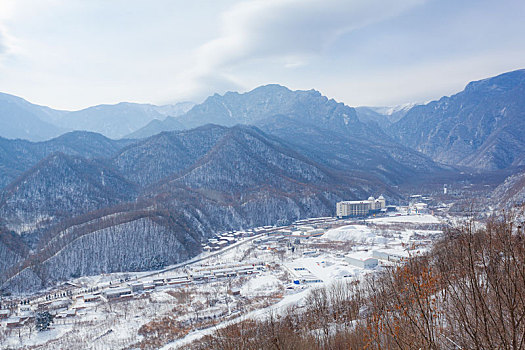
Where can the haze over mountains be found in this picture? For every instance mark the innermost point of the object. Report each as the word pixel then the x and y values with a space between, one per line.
pixel 267 156
pixel 24 120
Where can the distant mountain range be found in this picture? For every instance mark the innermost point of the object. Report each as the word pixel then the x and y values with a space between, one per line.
pixel 116 121
pixel 20 119
pixel 253 107
pixel 480 127
pixel 184 172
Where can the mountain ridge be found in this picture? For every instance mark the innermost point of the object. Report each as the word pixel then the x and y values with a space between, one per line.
pixel 21 119
pixel 480 127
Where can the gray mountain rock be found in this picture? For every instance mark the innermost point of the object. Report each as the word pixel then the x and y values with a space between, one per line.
pixel 482 127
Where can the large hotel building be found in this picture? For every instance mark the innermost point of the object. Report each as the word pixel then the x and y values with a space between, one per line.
pixel 360 208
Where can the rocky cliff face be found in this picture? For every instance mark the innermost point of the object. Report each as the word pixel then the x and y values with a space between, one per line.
pixel 482 126
pixel 267 101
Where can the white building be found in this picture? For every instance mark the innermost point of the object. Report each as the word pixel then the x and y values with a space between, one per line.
pixel 420 208
pixel 115 293
pixel 390 255
pixel 360 208
pixel 362 262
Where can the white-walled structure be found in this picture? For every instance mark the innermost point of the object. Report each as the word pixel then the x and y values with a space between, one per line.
pixel 359 260
pixel 360 208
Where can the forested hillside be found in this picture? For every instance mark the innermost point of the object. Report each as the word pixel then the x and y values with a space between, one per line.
pixel 174 188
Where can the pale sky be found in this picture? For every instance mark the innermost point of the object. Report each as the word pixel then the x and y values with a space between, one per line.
pixel 71 54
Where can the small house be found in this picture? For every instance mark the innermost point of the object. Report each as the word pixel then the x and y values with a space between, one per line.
pixel 4 314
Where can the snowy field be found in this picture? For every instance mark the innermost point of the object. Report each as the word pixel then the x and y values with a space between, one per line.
pixel 415 219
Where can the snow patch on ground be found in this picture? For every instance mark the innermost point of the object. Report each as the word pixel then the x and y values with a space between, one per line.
pixel 161 297
pixel 356 233
pixel 261 285
pixel 417 219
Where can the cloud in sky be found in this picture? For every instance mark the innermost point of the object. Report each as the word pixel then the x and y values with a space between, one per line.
pixel 286 32
pixel 3 44
pixel 6 40
pixel 74 53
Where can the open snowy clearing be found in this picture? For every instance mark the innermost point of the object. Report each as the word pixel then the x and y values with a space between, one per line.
pixel 413 218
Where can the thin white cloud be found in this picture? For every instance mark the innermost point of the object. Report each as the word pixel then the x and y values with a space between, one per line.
pixel 289 32
pixel 7 41
pixel 3 44
pixel 71 54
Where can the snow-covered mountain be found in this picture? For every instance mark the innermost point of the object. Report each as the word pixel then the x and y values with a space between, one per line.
pixel 383 116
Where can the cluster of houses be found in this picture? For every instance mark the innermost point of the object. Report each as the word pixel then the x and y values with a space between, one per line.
pixel 70 306
pixel 73 305
pixel 223 240
pixel 301 232
pixel 205 273
pixel 24 313
pixel 300 229
pixel 304 229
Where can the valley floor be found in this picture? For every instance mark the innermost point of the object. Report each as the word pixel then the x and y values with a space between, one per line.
pixel 262 273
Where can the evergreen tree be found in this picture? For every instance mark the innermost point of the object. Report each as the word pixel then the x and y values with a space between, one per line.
pixel 43 320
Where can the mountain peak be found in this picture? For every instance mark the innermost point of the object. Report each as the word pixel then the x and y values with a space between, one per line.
pixel 270 88
pixel 502 82
pixel 267 101
pixel 481 126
